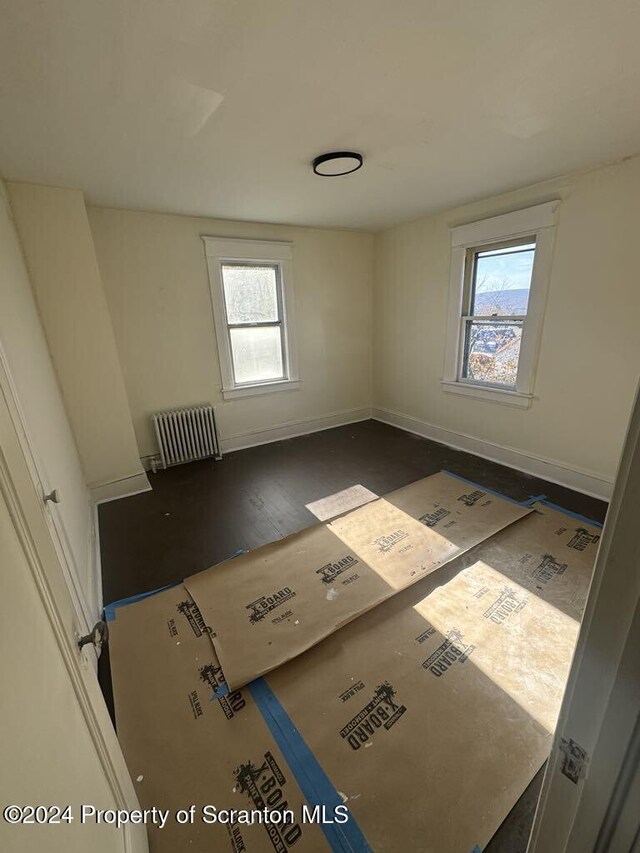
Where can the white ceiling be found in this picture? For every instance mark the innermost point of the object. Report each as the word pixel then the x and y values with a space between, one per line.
pixel 216 107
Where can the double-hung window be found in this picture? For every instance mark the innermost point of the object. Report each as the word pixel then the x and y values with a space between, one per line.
pixel 252 296
pixel 499 273
pixel 496 298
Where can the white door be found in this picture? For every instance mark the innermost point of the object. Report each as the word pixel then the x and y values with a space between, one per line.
pixel 30 381
pixel 590 800
pixel 58 745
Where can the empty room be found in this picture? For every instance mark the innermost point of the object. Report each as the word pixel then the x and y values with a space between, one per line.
pixel 319 435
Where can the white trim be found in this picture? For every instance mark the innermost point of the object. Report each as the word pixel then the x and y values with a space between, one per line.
pixel 490 395
pixel 587 482
pixel 84 609
pixel 538 222
pixel 260 388
pixel 221 249
pixel 291 429
pixel 454 314
pixel 123 488
pixel 515 224
pixel 96 556
pixel 240 248
pixel 532 327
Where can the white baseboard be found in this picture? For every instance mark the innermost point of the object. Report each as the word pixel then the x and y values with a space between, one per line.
pixel 123 488
pixel 587 482
pixel 291 429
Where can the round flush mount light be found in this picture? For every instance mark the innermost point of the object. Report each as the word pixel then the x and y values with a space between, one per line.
pixel 337 163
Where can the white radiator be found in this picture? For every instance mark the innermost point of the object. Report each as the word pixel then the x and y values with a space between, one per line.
pixel 186 434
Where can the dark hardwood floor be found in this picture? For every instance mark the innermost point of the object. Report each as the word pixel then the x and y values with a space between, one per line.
pixel 202 513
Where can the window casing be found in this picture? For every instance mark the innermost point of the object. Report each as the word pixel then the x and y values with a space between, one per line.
pixel 251 286
pixel 494 323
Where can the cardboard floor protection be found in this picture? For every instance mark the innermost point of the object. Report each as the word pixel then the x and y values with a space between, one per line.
pixel 182 747
pixel 274 603
pixel 427 716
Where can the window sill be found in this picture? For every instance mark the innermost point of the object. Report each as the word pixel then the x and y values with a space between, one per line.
pixel 505 397
pixel 260 388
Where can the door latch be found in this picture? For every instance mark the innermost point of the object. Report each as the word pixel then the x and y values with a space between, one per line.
pixel 98 636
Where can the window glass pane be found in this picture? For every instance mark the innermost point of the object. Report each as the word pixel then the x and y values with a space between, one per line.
pixel 257 354
pixel 250 293
pixel 502 278
pixel 491 352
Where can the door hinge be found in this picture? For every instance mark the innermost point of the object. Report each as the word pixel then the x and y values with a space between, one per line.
pixel 574 759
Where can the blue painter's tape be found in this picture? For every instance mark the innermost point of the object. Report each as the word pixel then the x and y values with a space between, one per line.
pixel 576 515
pixel 534 499
pixel 314 783
pixel 110 609
pixel 220 691
pixel 477 849
pixel 482 488
pixel 529 502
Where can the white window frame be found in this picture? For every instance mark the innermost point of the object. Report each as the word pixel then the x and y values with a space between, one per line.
pixel 536 223
pixel 227 250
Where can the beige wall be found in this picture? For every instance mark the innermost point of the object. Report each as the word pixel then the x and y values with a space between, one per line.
pixel 27 358
pixel 55 235
pixel 590 352
pixel 156 286
pixel 155 278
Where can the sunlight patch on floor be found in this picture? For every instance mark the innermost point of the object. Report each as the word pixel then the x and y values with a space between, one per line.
pixel 520 641
pixel 339 502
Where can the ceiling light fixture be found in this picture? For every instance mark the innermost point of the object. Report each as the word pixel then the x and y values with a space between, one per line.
pixel 337 163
